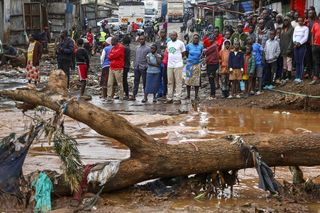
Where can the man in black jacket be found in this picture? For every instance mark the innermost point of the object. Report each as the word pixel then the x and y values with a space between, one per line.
pixel 64 53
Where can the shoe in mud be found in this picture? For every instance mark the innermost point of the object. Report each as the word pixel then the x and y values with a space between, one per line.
pixel 238 96
pixel 177 102
pixel 230 97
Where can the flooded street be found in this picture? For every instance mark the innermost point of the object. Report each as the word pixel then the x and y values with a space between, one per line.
pixel 200 125
pixel 169 124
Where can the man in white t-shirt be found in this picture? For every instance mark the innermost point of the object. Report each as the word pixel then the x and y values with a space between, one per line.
pixel 176 52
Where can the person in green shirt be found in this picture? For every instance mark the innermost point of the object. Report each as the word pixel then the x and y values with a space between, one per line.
pixel 239 36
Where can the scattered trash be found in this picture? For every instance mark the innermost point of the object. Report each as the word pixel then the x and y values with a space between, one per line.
pixel 267 181
pixel 43 190
pixel 103 172
pixel 13 152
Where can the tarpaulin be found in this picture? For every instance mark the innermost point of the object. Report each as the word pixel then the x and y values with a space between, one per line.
pixel 13 152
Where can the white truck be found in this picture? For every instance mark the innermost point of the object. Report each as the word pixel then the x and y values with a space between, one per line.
pixel 152 9
pixel 131 11
pixel 175 10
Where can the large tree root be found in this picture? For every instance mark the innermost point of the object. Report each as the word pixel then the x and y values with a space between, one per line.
pixel 150 159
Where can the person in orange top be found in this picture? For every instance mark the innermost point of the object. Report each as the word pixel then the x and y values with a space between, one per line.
pixel 315 40
pixel 224 69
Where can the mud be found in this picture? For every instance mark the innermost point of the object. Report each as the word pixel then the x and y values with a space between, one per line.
pixel 270 112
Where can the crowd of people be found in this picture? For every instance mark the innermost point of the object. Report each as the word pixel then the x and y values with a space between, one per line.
pixel 261 52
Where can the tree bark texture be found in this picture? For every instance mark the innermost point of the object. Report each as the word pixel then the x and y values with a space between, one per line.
pixel 150 159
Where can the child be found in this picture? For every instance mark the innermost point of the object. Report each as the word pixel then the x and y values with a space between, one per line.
pixel 272 52
pixel 82 61
pixel 224 70
pixel 153 74
pixel 236 61
pixel 257 51
pixel 249 70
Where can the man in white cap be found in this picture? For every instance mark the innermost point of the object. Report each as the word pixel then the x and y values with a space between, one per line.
pixel 105 65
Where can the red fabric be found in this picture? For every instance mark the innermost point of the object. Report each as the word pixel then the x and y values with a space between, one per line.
pixel 316 33
pixel 90 38
pixel 84 183
pixel 206 42
pixel 246 28
pixel 135 27
pixel 83 72
pixel 165 57
pixel 212 54
pixel 219 41
pixel 116 57
pixel 298 5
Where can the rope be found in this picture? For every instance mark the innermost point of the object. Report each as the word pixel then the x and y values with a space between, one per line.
pixel 294 93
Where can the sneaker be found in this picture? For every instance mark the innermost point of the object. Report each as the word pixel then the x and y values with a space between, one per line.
pixel 154 100
pixel 238 96
pixel 271 87
pixel 251 92
pixel 259 93
pixel 126 98
pixel 177 102
pixel 212 98
pixel 230 96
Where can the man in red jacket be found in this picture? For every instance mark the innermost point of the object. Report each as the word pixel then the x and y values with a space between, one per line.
pixel 116 58
pixel 212 60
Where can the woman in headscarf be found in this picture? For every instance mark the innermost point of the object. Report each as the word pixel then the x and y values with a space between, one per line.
pixel 193 68
pixel 33 60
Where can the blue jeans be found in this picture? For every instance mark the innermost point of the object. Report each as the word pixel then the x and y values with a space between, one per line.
pixel 299 54
pixel 163 81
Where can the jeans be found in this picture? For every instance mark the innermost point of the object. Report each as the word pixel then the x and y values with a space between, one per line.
pixel 65 66
pixel 271 69
pixel 279 67
pixel 299 54
pixel 138 73
pixel 316 60
pixel 163 81
pixel 211 71
pixel 125 81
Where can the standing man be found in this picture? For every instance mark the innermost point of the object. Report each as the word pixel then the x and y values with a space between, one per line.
pixel 239 36
pixel 140 66
pixel 127 52
pixel 105 65
pixel 286 47
pixel 176 52
pixel 116 57
pixel 64 53
pixel 315 40
pixel 161 47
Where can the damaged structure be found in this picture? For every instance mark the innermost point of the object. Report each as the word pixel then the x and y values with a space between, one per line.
pixel 22 17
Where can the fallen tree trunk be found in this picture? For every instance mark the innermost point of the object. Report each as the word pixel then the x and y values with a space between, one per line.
pixel 150 159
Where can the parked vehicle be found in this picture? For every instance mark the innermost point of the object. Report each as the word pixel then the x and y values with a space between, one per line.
pixel 131 11
pixel 175 9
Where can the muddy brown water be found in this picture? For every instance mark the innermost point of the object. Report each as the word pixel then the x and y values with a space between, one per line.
pixel 202 124
pixel 166 124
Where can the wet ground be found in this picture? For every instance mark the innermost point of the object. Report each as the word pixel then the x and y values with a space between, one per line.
pixel 171 124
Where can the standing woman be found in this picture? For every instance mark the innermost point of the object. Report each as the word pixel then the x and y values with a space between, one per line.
pixel 33 60
pixel 153 74
pixel 193 67
pixel 300 38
